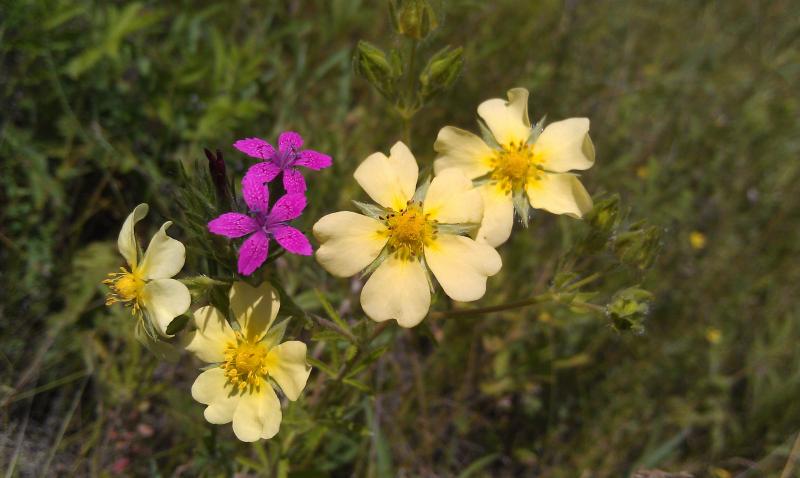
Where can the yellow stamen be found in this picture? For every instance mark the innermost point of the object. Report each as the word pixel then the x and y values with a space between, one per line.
pixel 514 166
pixel 409 231
pixel 126 287
pixel 245 364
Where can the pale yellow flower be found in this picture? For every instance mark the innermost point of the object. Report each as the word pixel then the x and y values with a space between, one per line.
pixel 520 166
pixel 146 285
pixel 408 234
pixel 238 388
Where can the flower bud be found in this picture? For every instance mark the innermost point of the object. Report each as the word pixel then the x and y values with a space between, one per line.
pixel 639 246
pixel 413 18
pixel 370 63
pixel 603 220
pixel 216 168
pixel 629 308
pixel 441 72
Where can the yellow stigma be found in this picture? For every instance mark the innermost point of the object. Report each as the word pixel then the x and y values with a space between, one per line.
pixel 245 364
pixel 409 230
pixel 514 166
pixel 126 287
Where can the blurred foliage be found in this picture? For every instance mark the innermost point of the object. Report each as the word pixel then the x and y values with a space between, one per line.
pixel 694 111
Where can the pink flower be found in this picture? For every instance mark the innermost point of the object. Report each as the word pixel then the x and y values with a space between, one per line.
pixel 286 160
pixel 261 224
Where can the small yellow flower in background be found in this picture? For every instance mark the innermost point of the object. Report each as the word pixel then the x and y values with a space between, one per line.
pixel 713 335
pixel 697 240
pixel 238 390
pixel 523 167
pixel 407 234
pixel 146 285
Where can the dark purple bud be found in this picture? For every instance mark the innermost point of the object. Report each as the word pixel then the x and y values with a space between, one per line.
pixel 216 167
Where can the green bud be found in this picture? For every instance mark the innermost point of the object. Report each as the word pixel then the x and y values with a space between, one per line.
pixel 370 63
pixel 441 72
pixel 629 308
pixel 603 220
pixel 639 246
pixel 412 18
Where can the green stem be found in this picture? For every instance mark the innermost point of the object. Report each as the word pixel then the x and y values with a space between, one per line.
pixel 495 308
pixel 409 106
pixel 548 296
pixel 363 348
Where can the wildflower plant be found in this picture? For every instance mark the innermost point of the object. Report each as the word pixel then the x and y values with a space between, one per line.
pixel 411 231
pixel 422 249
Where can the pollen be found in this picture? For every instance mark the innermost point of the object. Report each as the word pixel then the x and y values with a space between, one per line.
pixel 245 364
pixel 126 287
pixel 409 230
pixel 514 166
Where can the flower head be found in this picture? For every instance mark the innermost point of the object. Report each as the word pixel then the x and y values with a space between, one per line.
pixel 146 285
pixel 261 224
pixel 286 160
pixel 237 389
pixel 408 233
pixel 522 165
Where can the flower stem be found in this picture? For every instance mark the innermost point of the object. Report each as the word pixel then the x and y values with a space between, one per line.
pixel 548 296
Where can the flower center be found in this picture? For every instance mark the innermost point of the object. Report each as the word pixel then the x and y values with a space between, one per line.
pixel 126 287
pixel 245 363
pixel 409 230
pixel 514 165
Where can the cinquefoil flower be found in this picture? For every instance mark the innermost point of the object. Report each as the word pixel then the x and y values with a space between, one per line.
pixel 407 235
pixel 238 388
pixel 286 160
pixel 146 285
pixel 261 224
pixel 521 165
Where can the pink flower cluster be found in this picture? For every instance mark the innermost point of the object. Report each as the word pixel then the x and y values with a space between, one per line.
pixel 265 221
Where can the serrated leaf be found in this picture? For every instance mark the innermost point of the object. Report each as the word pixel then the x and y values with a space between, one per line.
pixel 177 324
pixel 275 334
pixel 536 130
pixel 522 206
pixel 321 366
pixel 371 210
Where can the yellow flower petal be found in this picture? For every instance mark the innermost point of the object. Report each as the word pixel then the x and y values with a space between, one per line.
pixel 398 290
pixel 164 256
pixel 255 308
pixel 349 242
pixel 462 265
pixel 165 299
pixel 209 389
pixel 212 336
pixel 565 146
pixel 257 415
pixel 451 199
pixel 126 242
pixel 507 120
pixel 390 181
pixel 463 150
pixel 498 215
pixel 559 194
pixel 287 366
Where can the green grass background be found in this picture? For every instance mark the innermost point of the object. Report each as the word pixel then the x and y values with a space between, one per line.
pixel 694 108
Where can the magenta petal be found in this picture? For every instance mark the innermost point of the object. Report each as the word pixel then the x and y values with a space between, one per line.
pixel 292 240
pixel 263 172
pixel 253 253
pixel 287 208
pixel 255 147
pixel 313 160
pixel 289 140
pixel 233 224
pixel 293 181
pixel 256 193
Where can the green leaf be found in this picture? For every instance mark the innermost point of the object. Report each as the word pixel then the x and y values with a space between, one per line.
pixel 177 324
